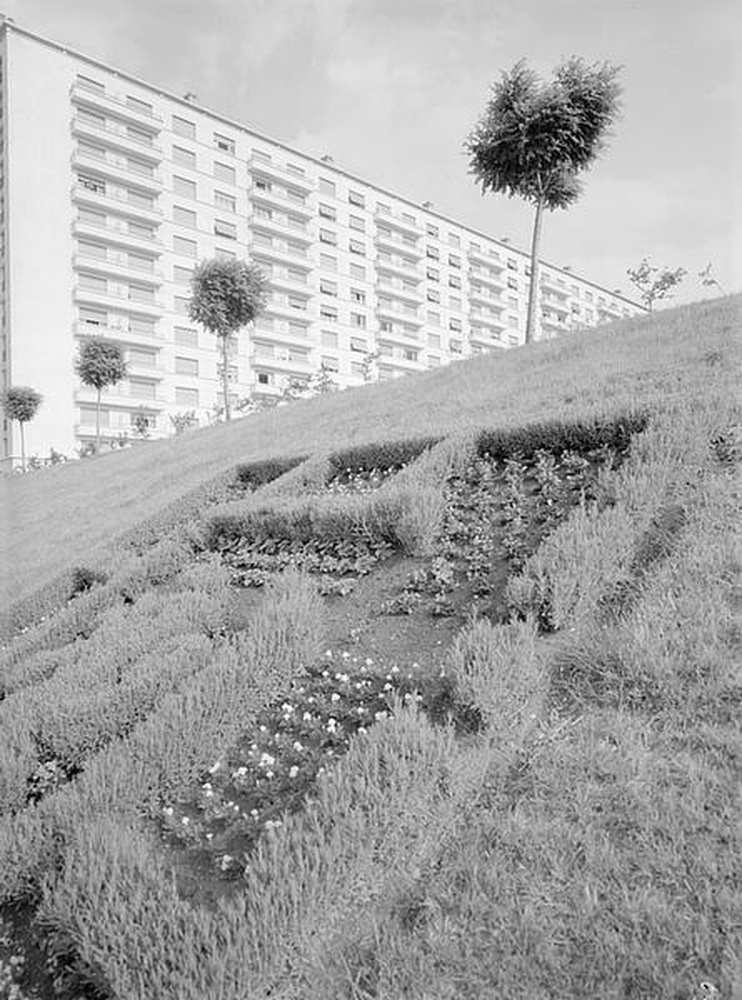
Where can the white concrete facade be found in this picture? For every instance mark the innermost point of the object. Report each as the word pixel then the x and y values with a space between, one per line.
pixel 112 190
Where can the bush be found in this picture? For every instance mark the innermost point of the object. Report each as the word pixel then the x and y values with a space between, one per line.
pixel 84 578
pixel 557 436
pixel 383 455
pixel 253 475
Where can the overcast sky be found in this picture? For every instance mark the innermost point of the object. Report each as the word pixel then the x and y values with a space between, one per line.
pixel 390 89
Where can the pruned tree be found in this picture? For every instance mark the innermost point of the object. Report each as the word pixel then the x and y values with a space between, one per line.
pixel 100 363
pixel 20 402
pixel 226 296
pixel 654 283
pixel 534 138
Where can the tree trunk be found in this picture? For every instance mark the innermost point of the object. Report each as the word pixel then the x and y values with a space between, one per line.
pixel 533 291
pixel 97 423
pixel 23 447
pixel 225 380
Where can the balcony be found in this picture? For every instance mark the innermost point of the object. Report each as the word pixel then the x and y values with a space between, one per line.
pixel 399 337
pixel 486 257
pixel 487 338
pixel 119 333
pixel 286 310
pixel 284 281
pixel 283 174
pixel 115 201
pixel 118 265
pixel 551 323
pixel 555 285
pixel 139 370
pixel 394 266
pixel 113 231
pixel 551 301
pixel 484 295
pixel 117 168
pixel 485 319
pixel 486 279
pixel 281 253
pixel 283 335
pixel 402 364
pixel 609 312
pixel 395 311
pixel 276 198
pixel 395 287
pixel 394 241
pixel 281 227
pixel 117 297
pixel 116 136
pixel 101 100
pixel 282 362
pixel 120 395
pixel 398 222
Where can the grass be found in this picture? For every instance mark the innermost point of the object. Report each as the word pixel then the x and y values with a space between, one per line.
pixel 70 514
pixel 578 837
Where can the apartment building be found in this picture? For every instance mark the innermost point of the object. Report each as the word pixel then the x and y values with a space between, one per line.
pixel 111 190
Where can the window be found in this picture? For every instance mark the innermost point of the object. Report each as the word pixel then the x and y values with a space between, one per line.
pixel 91 117
pixel 225 202
pixel 141 356
pixel 434 340
pixel 181 304
pixel 326 186
pixel 186 337
pixel 358 345
pixel 89 149
pixel 328 312
pixel 225 229
pixel 433 273
pixel 327 236
pixel 386 326
pixel 328 212
pixel 297 275
pixel 513 283
pixel 432 230
pixel 141 388
pixel 328 287
pixel 93 317
pixel 358 271
pixel 433 361
pixel 91 183
pixel 139 324
pixel 454 281
pixel 433 295
pixel 433 317
pixel 181 126
pixel 410 354
pixel 91 217
pixel 356 222
pixel 182 275
pixel 297 302
pixel 512 302
pixel 141 293
pixel 455 302
pixel 88 418
pixel 184 187
pixel 455 346
pixel 330 363
pixel 185 396
pixel 357 368
pixel 223 172
pixel 383 209
pixel 263 184
pixel 512 264
pixel 356 198
pixel 329 338
pixel 588 296
pixel 327 262
pixel 358 296
pixel 455 325
pixel 358 319
pixel 137 105
pixel 453 260
pixel 223 143
pixel 186 366
pixel 184 157
pixel 432 253
pixel 358 248
pixel 144 138
pixel 183 246
pixel 184 216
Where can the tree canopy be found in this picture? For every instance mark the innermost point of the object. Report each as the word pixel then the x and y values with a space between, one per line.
pixel 20 402
pixel 534 138
pixel 100 363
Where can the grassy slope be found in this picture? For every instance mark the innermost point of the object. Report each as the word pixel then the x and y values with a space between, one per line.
pixel 65 516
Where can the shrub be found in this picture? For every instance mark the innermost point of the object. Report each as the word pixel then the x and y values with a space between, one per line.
pixel 558 435
pixel 253 475
pixel 84 578
pixel 382 455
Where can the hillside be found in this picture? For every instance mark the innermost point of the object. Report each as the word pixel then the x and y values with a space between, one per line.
pixel 68 515
pixel 427 691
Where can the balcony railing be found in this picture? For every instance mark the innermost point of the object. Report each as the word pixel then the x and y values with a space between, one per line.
pixel 398 222
pixel 118 332
pixel 118 168
pixel 277 198
pixel 282 227
pixel 116 135
pixel 117 232
pixel 490 258
pixel 117 201
pixel 491 280
pixel 394 241
pixel 396 266
pixel 118 265
pixel 94 97
pixel 268 168
pixel 120 395
pixel 119 298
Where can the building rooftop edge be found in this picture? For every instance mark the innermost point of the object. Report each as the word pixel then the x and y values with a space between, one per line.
pixel 9 23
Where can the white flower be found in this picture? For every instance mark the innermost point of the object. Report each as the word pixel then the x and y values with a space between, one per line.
pixel 254 813
pixel 343 678
pixel 395 670
pixel 298 746
pixel 361 710
pixel 388 687
pixel 287 708
pixel 240 772
pixel 269 774
pixel 380 715
pixel 331 725
pixel 361 729
pixel 346 655
pixel 266 759
pixel 185 821
pixel 168 810
pixel 369 661
pixel 215 767
pixel 328 654
pixel 294 771
pixel 307 717
pixel 325 673
pixel 334 696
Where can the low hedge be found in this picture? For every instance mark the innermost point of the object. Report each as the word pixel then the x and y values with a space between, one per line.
pixel 380 455
pixel 559 435
pixel 253 475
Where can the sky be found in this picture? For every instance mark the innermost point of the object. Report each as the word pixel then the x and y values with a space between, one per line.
pixel 391 88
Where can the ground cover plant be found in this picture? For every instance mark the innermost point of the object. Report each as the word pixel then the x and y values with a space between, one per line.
pixel 549 812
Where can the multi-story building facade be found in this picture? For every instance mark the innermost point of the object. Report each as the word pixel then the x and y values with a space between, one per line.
pixel 111 190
